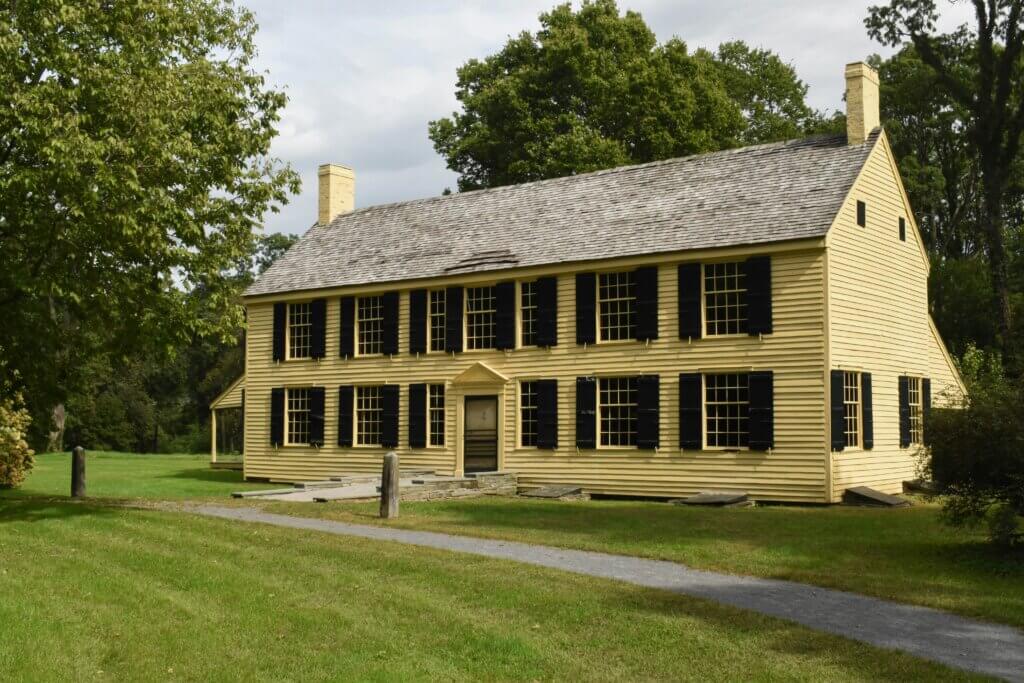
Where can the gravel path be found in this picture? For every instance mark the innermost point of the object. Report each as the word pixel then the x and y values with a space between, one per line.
pixel 939 636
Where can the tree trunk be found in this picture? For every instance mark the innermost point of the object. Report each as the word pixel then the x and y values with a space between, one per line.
pixel 995 243
pixel 55 440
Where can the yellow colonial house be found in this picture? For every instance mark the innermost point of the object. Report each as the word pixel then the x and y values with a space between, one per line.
pixel 752 320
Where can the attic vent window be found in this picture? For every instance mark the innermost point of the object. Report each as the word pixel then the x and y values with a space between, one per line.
pixel 484 260
pixel 862 211
pixel 903 230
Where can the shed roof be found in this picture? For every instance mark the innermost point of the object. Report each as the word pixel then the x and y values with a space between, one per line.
pixel 751 195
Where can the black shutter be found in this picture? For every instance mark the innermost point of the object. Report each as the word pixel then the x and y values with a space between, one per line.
pixel 389 416
pixel 762 410
pixel 867 410
pixel 838 411
pixel 453 319
pixel 418 321
pixel 646 280
pixel 586 412
pixel 690 325
pixel 318 331
pixel 417 415
pixel 926 407
pixel 759 295
pixel 348 327
pixel 648 399
pixel 276 417
pixel 316 416
pixel 547 311
pixel 505 316
pixel 547 413
pixel 691 411
pixel 345 395
pixel 586 308
pixel 389 306
pixel 280 325
pixel 904 387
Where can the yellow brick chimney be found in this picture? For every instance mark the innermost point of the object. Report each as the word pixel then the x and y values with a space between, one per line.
pixel 337 191
pixel 862 115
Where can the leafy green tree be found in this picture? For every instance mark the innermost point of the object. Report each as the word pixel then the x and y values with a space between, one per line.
pixel 16 458
pixel 979 69
pixel 134 167
pixel 592 89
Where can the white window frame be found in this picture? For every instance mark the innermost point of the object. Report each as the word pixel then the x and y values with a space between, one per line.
pixel 431 337
pixel 915 409
pixel 467 342
pixel 290 327
pixel 742 322
pixel 631 307
pixel 289 394
pixel 358 409
pixel 431 410
pixel 521 308
pixel 705 427
pixel 634 419
pixel 853 402
pixel 521 407
pixel 359 324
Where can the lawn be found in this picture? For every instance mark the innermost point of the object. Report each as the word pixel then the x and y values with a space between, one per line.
pixel 98 592
pixel 906 555
pixel 129 475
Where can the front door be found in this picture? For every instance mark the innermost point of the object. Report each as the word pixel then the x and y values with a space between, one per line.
pixel 480 448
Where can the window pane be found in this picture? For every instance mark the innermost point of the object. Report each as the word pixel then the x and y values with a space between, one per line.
pixel 725 298
pixel 528 413
pixel 618 411
pixel 368 416
pixel 436 417
pixel 371 325
pixel 528 295
pixel 481 308
pixel 851 408
pixel 437 313
pixel 298 416
pixel 615 295
pixel 300 330
pixel 727 405
pixel 916 410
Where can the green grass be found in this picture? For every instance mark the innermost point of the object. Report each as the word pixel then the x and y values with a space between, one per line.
pixel 128 475
pixel 906 555
pixel 93 592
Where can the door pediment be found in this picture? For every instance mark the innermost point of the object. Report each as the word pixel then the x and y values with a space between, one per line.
pixel 479 373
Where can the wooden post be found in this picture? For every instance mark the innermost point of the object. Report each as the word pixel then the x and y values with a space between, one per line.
pixel 78 472
pixel 213 435
pixel 389 487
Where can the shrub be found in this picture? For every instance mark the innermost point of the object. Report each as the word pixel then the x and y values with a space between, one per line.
pixel 15 455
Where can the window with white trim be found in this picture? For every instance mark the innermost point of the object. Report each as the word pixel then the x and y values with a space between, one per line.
pixel 616 299
pixel 436 327
pixel 300 330
pixel 369 415
pixel 727 410
pixel 916 410
pixel 481 312
pixel 618 410
pixel 297 407
pixel 370 324
pixel 725 298
pixel 851 409
pixel 435 416
pixel 528 313
pixel 528 413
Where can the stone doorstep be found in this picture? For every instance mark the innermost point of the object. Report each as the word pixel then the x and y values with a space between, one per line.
pixel 863 495
pixel 719 498
pixel 553 492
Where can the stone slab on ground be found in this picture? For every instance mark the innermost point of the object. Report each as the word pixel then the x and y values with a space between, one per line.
pixel 863 495
pixel 564 492
pixel 920 486
pixel 959 642
pixel 720 498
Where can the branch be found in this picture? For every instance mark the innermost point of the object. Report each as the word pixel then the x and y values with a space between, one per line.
pixel 932 58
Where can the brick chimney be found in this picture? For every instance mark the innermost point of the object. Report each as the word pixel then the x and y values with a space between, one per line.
pixel 862 115
pixel 337 192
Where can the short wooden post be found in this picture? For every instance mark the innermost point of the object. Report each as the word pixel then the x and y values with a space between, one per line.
pixel 78 472
pixel 389 487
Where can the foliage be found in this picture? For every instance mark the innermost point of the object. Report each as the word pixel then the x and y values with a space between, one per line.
pixel 976 453
pixel 134 168
pixel 16 458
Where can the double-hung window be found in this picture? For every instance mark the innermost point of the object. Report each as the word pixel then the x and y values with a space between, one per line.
pixel 725 298
pixel 435 414
pixel 370 323
pixel 727 410
pixel 481 313
pixel 617 405
pixel 852 409
pixel 297 407
pixel 528 413
pixel 436 315
pixel 300 330
pixel 916 406
pixel 616 299
pixel 369 416
pixel 528 313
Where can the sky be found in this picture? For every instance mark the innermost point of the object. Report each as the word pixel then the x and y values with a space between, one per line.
pixel 364 78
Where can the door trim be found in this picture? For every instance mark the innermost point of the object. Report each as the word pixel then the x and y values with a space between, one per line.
pixel 478 380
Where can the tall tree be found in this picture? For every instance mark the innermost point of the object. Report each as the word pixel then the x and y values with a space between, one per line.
pixel 592 89
pixel 134 167
pixel 992 94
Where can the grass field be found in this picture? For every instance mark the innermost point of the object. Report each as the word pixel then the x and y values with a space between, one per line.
pixel 104 593
pixel 906 555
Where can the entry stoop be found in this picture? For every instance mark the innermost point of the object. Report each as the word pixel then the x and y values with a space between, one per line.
pixel 862 495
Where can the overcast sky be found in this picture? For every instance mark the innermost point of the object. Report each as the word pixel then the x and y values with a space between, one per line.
pixel 364 78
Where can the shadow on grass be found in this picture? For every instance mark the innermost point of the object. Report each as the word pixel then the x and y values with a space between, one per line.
pixel 51 509
pixel 207 474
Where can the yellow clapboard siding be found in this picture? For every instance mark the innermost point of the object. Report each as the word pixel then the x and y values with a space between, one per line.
pixel 879 320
